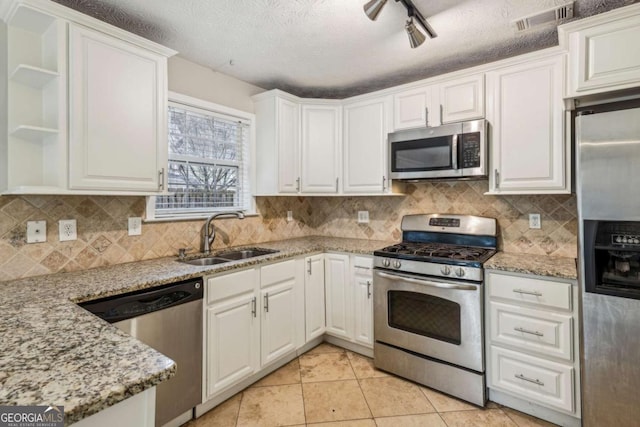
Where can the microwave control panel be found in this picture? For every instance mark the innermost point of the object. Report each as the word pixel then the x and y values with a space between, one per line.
pixel 470 150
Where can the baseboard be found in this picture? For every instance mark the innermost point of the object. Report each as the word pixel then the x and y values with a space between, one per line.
pixel 532 409
pixel 351 346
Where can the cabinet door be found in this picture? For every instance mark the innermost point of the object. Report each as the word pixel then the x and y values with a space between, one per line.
pixel 314 296
pixel 339 307
pixel 415 108
pixel 320 148
pixel 117 114
pixel 363 332
pixel 602 58
pixel 527 128
pixel 233 342
pixel 365 146
pixel 462 99
pixel 278 321
pixel 278 301
pixel 288 129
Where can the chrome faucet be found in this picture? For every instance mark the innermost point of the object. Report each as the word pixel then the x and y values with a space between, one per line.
pixel 209 231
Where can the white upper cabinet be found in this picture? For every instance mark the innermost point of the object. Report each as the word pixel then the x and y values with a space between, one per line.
pixel 526 112
pixel 298 145
pixel 108 85
pixel 366 125
pixel 604 52
pixel 411 108
pixel 321 128
pixel 288 117
pixel 440 103
pixel 462 99
pixel 117 114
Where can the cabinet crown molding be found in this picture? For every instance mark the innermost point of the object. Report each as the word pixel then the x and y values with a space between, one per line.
pixel 8 9
pixel 624 12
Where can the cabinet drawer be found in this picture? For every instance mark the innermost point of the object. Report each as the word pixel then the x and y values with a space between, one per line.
pixel 277 273
pixel 538 292
pixel 363 266
pixel 231 284
pixel 539 380
pixel 543 332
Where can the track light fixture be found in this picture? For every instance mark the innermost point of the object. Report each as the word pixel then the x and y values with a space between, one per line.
pixel 373 8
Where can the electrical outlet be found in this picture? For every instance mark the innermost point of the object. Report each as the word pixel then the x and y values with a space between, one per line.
pixel 36 231
pixel 67 230
pixel 534 221
pixel 135 226
pixel 289 216
pixel 363 217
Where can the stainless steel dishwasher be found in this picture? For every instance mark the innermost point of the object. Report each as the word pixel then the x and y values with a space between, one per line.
pixel 168 319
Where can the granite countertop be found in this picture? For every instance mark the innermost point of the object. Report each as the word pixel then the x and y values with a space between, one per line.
pixel 56 353
pixel 541 265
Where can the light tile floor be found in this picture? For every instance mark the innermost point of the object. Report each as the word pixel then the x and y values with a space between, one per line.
pixel 330 386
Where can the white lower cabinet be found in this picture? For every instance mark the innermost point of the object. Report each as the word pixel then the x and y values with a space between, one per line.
pixel 277 283
pixel 348 298
pixel 532 345
pixel 339 308
pixel 257 319
pixel 363 300
pixel 233 329
pixel 251 321
pixel 314 303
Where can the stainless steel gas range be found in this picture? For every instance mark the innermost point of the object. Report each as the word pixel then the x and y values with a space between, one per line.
pixel 428 303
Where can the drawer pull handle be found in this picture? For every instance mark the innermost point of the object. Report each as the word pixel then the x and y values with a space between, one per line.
pixel 536 381
pixel 524 331
pixel 522 291
pixel 253 306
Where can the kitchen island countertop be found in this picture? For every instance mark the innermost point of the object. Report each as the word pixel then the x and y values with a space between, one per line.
pixel 56 353
pixel 540 265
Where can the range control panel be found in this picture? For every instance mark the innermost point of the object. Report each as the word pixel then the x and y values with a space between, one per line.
pixel 625 239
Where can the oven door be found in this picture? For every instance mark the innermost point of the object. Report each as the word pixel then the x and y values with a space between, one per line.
pixel 437 319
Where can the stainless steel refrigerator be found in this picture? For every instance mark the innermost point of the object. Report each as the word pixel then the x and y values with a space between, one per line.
pixel 608 190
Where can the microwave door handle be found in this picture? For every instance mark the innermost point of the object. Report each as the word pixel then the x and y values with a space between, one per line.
pixel 454 152
pixel 400 278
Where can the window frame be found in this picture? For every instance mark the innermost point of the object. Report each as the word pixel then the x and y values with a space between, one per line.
pixel 201 106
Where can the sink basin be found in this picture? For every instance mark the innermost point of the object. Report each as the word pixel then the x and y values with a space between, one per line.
pixel 245 253
pixel 206 261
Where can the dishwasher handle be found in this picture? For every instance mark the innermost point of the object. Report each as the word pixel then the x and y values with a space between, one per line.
pixel 133 304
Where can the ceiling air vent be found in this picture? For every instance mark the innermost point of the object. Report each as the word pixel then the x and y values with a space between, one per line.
pixel 554 16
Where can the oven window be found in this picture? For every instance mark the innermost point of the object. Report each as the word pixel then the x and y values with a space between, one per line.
pixel 425 315
pixel 422 155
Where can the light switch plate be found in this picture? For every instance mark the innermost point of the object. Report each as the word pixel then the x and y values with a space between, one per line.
pixel 67 230
pixel 135 226
pixel 534 221
pixel 363 217
pixel 289 216
pixel 36 231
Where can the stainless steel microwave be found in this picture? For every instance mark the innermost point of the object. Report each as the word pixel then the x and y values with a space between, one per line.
pixel 456 150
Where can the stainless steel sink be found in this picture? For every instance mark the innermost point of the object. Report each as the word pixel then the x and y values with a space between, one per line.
pixel 206 261
pixel 245 253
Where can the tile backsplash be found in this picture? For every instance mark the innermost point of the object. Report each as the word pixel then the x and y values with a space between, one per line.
pixel 103 239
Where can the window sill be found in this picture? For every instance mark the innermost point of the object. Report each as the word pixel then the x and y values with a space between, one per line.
pixel 193 218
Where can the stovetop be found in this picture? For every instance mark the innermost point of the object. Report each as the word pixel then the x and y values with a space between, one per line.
pixel 431 243
pixel 437 252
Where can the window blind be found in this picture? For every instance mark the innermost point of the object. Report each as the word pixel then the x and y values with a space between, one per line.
pixel 207 169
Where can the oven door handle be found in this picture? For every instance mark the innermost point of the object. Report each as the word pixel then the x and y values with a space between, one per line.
pixel 399 278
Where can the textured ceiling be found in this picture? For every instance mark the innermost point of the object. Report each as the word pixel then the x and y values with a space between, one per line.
pixel 329 48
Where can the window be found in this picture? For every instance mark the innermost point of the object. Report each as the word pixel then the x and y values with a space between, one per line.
pixel 208 161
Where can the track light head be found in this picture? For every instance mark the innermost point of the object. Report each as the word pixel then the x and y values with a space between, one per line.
pixel 416 38
pixel 373 8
